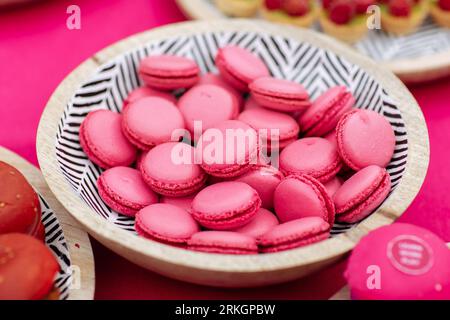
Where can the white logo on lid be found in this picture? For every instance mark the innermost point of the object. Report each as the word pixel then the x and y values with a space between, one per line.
pixel 410 254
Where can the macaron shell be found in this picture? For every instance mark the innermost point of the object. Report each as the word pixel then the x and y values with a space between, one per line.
pixel 208 104
pixel 124 190
pixel 167 72
pixel 224 242
pixel 27 268
pixel 239 67
pixel 361 194
pixel 262 223
pixel 326 111
pixel 264 179
pixel 279 94
pixel 294 234
pixel 20 210
pixel 377 250
pixel 167 222
pixel 184 203
pixel 233 160
pixel 170 170
pixel 103 142
pixel 316 157
pixel 274 123
pixel 364 138
pixel 302 196
pixel 145 92
pixel 151 121
pixel 333 186
pixel 226 205
pixel 212 78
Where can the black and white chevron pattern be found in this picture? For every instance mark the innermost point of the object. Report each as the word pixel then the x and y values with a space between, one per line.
pixel 315 68
pixel 54 238
pixel 381 46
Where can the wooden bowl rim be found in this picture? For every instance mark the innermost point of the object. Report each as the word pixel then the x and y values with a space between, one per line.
pixel 415 171
pixel 417 69
pixel 77 239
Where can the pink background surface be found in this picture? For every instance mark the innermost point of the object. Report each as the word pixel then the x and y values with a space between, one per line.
pixel 37 51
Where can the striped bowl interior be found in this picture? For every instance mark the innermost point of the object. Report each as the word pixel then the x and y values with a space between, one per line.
pixel 317 69
pixel 54 238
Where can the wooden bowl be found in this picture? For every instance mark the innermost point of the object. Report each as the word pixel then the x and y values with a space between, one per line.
pixel 64 236
pixel 103 81
pixel 421 56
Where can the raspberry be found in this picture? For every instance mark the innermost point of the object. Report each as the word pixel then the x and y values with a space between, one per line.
pixel 362 5
pixel 326 3
pixel 444 5
pixel 273 4
pixel 342 11
pixel 295 7
pixel 400 8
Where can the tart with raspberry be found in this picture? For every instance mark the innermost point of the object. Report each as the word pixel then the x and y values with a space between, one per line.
pixel 302 13
pixel 345 19
pixel 239 8
pixel 401 17
pixel 440 11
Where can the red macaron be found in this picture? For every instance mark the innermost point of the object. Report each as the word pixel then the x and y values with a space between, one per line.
pixel 27 268
pixel 20 210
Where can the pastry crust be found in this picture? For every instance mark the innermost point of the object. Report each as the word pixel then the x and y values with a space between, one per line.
pixel 239 8
pixel 405 25
pixel 349 33
pixel 301 21
pixel 441 17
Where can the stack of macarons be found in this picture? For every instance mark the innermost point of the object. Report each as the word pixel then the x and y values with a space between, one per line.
pixel 237 162
pixel 27 266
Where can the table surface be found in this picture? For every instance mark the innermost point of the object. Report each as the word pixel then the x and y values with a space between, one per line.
pixel 37 51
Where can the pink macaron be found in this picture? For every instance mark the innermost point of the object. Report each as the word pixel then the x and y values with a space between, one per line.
pixel 316 157
pixel 300 196
pixel 364 138
pixel 264 179
pixel 170 170
pixel 150 121
pixel 275 129
pixel 166 223
pixel 184 203
pixel 280 94
pixel 324 114
pixel 399 262
pixel 124 190
pixel 224 242
pixel 251 104
pixel 212 78
pixel 167 72
pixel 228 150
pixel 239 67
pixel 294 234
pixel 144 92
pixel 361 194
pixel 103 142
pixel 263 222
pixel 208 105
pixel 225 205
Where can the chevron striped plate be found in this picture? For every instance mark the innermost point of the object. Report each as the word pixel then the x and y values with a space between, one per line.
pixel 420 56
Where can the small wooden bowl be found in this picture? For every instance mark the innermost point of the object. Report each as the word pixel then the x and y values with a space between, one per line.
pixel 78 245
pixel 93 85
